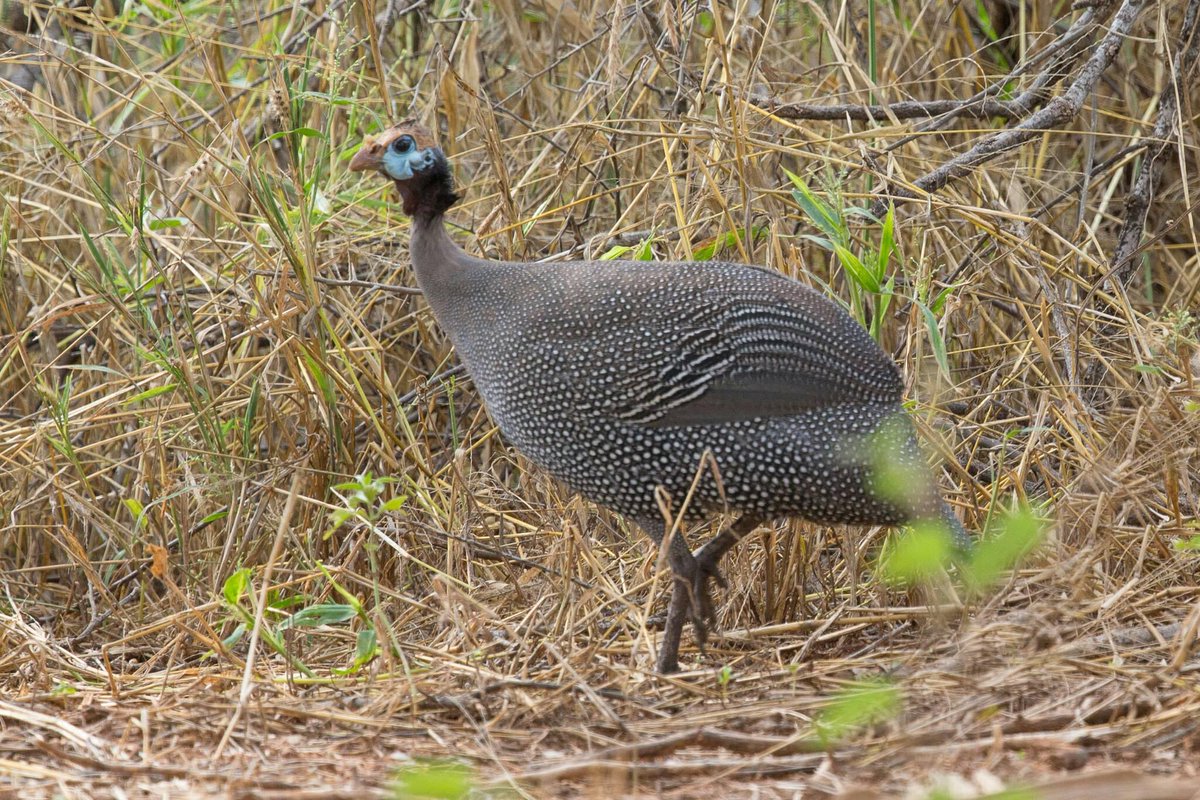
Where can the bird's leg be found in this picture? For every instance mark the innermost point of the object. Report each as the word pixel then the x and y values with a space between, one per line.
pixel 709 556
pixel 690 596
pixel 683 569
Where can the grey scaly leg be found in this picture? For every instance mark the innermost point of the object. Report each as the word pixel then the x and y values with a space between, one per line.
pixel 690 595
pixel 684 572
pixel 709 557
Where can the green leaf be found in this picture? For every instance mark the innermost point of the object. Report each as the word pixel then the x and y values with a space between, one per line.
pixel 918 554
pixel 135 507
pixel 818 211
pixel 616 252
pixel 858 705
pixel 1189 544
pixel 324 614
pixel 643 251
pixel 303 132
pixel 235 586
pixel 935 340
pixel 435 780
pixel 320 377
pixel 985 21
pixel 395 503
pixel 149 394
pixel 821 241
pixel 1020 531
pixel 235 636
pixel 718 244
pixel 939 302
pixel 366 646
pixel 277 602
pixel 164 223
pixel 887 243
pixel 248 445
pixel 883 302
pixel 862 276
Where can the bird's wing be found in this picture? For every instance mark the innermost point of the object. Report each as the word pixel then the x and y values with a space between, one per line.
pixel 764 346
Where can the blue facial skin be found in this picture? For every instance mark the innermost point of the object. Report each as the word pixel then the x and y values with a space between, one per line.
pixel 402 159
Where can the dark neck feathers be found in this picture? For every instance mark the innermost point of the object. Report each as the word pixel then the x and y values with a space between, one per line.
pixel 430 193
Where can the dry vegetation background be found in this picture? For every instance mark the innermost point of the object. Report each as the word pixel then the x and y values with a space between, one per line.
pixel 205 331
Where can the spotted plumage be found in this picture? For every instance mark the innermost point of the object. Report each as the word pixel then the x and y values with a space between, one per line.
pixel 619 377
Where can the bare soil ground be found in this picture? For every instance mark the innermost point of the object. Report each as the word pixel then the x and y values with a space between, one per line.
pixel 207 333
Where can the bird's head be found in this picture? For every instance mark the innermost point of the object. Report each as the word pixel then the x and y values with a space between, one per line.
pixel 408 154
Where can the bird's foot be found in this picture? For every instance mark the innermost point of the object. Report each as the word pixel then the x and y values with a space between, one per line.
pixel 703 611
pixel 667 663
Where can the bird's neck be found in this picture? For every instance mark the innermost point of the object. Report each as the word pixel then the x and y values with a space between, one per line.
pixel 441 267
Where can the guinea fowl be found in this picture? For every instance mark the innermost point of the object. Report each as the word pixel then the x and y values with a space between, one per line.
pixel 619 377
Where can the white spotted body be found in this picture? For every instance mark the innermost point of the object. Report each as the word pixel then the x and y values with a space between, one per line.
pixel 593 370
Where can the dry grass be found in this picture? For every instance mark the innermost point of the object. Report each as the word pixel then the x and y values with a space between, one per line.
pixel 202 334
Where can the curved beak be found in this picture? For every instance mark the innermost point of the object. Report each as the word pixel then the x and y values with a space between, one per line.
pixel 368 157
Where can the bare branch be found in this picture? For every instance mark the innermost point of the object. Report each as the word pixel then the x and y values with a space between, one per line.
pixel 981 105
pixel 905 109
pixel 1057 112
pixel 1161 146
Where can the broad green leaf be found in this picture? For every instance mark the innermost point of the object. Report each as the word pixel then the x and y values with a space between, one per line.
pixel 235 586
pixel 165 222
pixel 135 507
pixel 433 781
pixel 395 503
pixel 303 132
pixel 616 252
pixel 917 554
pixel 1020 531
pixel 366 646
pixel 324 614
pixel 858 272
pixel 856 706
pixel 708 251
pixel 645 251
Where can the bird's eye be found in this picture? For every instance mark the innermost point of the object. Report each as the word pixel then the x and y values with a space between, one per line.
pixel 403 144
